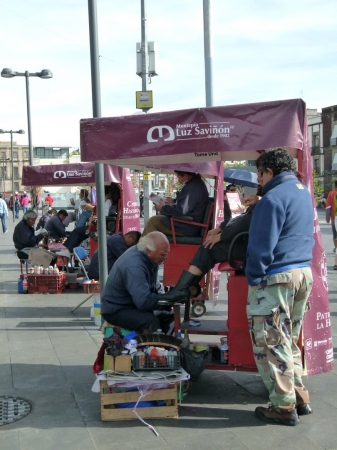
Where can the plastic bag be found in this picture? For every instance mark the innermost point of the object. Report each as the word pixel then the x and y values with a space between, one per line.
pixel 193 362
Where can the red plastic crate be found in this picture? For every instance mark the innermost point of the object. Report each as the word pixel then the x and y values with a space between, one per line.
pixel 53 284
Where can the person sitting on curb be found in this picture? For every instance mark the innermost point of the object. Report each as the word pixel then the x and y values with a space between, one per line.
pixel 117 244
pixel 24 235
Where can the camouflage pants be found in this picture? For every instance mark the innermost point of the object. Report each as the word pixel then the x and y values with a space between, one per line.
pixel 275 310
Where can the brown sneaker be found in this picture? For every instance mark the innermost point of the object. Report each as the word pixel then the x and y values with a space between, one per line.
pixel 270 415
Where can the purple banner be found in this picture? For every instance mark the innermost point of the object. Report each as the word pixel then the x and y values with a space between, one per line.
pixel 194 135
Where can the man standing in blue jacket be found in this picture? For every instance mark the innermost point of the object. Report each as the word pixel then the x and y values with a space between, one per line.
pixel 280 281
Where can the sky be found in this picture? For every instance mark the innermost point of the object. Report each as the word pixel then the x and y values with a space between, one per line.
pixel 263 50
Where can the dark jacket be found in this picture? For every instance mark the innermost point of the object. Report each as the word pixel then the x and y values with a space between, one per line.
pixel 24 236
pixel 43 220
pixel 131 283
pixel 281 230
pixel 55 227
pixel 116 246
pixel 191 201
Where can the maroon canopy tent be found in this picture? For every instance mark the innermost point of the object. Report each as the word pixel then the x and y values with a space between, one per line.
pixel 83 174
pixel 224 133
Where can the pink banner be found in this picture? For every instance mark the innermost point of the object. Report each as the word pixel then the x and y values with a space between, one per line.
pixel 317 325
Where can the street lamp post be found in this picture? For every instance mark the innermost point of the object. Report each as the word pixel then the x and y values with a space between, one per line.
pixel 3 175
pixel 13 195
pixel 45 73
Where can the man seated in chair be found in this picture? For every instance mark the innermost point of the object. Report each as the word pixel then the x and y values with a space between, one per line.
pixel 131 296
pixel 55 225
pixel 24 235
pixel 214 250
pixel 191 201
pixel 117 244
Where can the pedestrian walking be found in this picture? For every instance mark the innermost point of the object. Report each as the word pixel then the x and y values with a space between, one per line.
pixel 3 214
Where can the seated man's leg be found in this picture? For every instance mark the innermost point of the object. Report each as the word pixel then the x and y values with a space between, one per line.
pixel 155 224
pixel 76 237
pixel 134 320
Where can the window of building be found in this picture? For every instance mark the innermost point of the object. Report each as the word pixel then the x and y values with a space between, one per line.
pixel 26 155
pixel 15 155
pixel 16 173
pixel 16 186
pixel 3 155
pixel 51 152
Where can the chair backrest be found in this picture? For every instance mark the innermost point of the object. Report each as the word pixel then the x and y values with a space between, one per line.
pixel 80 253
pixel 207 220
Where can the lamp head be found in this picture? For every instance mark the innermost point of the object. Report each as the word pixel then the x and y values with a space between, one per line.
pixel 45 73
pixel 2 131
pixel 21 132
pixel 8 73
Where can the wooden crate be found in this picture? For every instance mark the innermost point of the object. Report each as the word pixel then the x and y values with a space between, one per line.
pixel 109 412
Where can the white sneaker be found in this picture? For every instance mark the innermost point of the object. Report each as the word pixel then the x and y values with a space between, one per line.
pixel 5 231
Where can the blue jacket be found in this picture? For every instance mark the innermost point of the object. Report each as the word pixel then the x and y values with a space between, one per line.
pixel 131 283
pixel 116 246
pixel 192 201
pixel 281 230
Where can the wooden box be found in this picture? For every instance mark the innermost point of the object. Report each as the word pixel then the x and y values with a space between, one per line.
pixel 109 400
pixel 121 363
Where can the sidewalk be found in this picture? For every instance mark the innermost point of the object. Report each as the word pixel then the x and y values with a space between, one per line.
pixel 46 355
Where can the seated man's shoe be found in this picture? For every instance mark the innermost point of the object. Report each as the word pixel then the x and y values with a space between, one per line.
pixel 180 293
pixel 304 410
pixel 270 415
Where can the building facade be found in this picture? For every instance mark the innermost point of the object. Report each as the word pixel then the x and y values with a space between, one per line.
pixel 11 165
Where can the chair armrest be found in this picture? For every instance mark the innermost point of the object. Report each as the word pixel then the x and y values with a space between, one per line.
pixel 232 263
pixel 187 218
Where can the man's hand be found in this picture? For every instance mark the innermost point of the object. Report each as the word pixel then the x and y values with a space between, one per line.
pixel 170 200
pixel 159 206
pixel 249 200
pixel 214 232
pixel 212 240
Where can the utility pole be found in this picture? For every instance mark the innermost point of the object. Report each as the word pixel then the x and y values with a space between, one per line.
pixel 208 53
pixel 145 65
pixel 99 168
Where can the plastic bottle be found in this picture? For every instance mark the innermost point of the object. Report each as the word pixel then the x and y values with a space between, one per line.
pixel 37 270
pixel 179 334
pixel 141 359
pixel 224 350
pixel 171 360
pixel 20 285
pixel 25 284
pixel 55 270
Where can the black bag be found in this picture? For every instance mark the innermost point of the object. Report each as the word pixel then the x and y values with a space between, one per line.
pixel 193 362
